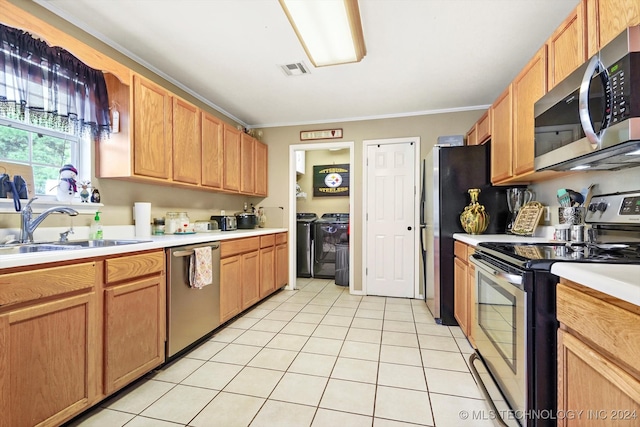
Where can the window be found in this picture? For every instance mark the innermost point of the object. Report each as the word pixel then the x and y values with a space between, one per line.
pixel 45 150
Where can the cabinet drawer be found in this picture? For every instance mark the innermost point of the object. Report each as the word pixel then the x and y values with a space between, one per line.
pixel 460 251
pixel 239 246
pixel 611 328
pixel 130 267
pixel 281 238
pixel 33 285
pixel 470 251
pixel 266 241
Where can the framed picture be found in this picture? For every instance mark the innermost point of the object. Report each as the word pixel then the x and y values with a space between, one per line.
pixel 331 180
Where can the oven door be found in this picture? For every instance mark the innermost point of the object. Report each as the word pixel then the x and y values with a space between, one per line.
pixel 500 328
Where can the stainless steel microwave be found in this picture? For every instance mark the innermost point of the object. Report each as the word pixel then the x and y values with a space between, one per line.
pixel 591 120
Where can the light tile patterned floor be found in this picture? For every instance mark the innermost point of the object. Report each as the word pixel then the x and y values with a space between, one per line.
pixel 314 357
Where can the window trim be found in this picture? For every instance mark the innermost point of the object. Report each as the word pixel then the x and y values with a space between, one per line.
pixel 80 157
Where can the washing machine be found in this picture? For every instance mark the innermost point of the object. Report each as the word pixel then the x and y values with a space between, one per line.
pixel 304 243
pixel 331 229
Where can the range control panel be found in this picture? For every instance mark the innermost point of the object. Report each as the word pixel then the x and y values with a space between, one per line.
pixel 621 208
pixel 630 206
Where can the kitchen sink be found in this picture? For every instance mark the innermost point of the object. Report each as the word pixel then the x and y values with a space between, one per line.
pixel 82 244
pixel 24 248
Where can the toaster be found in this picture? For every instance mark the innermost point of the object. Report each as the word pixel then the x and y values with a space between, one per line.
pixel 226 222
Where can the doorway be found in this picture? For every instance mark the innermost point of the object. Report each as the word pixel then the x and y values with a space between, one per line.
pixel 346 145
pixel 390 213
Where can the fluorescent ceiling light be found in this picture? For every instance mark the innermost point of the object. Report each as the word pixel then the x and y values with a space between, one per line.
pixel 330 30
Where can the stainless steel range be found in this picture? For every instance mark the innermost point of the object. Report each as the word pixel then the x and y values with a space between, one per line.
pixel 515 322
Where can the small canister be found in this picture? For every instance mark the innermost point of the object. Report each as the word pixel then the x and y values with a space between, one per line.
pixel 171 222
pixel 563 232
pixel 158 226
pixel 183 223
pixel 577 233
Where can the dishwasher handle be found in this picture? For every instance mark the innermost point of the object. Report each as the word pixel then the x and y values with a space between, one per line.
pixel 188 252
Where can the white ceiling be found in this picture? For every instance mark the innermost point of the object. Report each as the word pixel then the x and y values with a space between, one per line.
pixel 422 55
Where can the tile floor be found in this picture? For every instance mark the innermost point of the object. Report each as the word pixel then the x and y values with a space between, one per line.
pixel 316 356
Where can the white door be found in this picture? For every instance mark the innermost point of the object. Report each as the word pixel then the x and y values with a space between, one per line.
pixel 390 220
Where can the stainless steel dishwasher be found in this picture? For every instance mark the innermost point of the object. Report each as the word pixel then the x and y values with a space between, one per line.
pixel 191 313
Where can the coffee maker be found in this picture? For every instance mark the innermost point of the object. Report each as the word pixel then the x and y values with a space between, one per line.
pixel 517 197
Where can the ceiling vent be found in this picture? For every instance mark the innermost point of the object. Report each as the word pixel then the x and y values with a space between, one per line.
pixel 295 69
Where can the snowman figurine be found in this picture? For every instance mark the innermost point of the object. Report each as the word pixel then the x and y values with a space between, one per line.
pixel 67 187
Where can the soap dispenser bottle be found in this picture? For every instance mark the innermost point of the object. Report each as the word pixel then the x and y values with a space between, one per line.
pixel 96 228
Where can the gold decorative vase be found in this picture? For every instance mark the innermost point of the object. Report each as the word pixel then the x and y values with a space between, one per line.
pixel 474 218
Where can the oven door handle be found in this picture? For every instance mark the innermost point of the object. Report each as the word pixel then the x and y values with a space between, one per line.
pixel 514 279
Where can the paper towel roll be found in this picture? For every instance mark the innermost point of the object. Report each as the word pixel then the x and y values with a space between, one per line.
pixel 142 218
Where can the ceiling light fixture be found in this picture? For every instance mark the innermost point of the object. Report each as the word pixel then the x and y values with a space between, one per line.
pixel 330 30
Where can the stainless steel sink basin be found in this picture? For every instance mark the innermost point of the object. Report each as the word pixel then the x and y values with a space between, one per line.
pixel 80 244
pixel 24 248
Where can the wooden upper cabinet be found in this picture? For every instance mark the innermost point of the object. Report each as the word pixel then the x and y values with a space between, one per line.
pixel 231 176
pixel 186 142
pixel 152 130
pixel 260 166
pixel 501 137
pixel 212 151
pixel 483 127
pixel 567 46
pixel 529 86
pixel 480 132
pixel 613 16
pixel 472 135
pixel 247 157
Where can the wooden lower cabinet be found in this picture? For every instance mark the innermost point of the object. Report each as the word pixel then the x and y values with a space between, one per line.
pixel 471 297
pixel 598 347
pixel 460 294
pixel 464 289
pixel 134 330
pixel 250 267
pixel 282 260
pixel 239 275
pixel 267 270
pixel 71 335
pixel 134 317
pixel 49 347
pixel 230 287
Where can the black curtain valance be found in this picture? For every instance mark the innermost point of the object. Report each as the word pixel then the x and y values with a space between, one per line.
pixel 48 86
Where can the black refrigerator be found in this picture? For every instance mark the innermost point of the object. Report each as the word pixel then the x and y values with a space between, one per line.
pixel 447 174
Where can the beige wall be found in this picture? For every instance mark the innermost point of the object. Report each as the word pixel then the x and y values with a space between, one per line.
pixel 427 127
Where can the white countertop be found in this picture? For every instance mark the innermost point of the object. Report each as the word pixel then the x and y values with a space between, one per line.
pixel 154 242
pixel 474 239
pixel 620 281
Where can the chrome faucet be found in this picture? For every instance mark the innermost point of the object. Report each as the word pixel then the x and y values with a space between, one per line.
pixel 28 226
